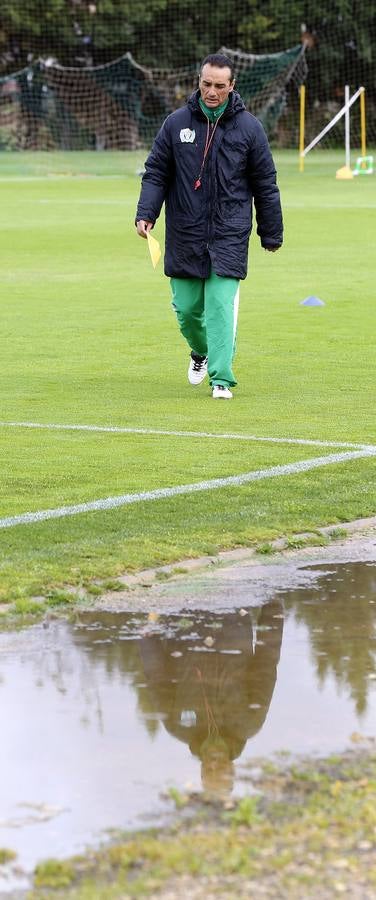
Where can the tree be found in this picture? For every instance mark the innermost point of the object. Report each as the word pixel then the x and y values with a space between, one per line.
pixel 170 34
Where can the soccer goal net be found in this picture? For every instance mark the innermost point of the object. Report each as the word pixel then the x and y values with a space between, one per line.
pixel 120 105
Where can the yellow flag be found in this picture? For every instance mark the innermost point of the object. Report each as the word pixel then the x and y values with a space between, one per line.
pixel 154 249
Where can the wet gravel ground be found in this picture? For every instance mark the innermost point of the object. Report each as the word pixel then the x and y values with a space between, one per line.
pixel 236 577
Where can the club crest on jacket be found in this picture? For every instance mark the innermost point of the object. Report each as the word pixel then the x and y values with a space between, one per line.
pixel 187 136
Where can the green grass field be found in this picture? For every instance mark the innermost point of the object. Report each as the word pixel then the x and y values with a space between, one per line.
pixel 88 337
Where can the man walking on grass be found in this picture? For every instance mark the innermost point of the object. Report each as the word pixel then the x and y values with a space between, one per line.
pixel 209 162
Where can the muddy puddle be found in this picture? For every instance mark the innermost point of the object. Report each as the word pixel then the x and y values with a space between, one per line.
pixel 101 715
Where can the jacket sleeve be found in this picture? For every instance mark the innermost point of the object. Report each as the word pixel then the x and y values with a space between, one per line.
pixel 156 177
pixel 262 176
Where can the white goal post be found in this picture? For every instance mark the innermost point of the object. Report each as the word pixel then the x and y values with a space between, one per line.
pixel 344 111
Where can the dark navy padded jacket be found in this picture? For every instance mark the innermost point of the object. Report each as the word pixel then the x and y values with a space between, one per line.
pixel 210 227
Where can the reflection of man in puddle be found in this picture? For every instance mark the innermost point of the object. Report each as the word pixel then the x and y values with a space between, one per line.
pixel 215 697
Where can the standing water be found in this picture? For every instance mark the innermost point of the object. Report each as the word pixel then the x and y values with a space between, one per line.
pixel 102 714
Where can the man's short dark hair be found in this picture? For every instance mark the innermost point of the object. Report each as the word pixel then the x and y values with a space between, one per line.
pixel 220 60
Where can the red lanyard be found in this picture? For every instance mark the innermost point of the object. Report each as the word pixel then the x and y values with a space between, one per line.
pixel 206 151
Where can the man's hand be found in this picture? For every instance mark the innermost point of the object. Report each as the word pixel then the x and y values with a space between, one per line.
pixel 143 228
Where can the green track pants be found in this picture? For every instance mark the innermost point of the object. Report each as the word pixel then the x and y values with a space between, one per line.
pixel 207 313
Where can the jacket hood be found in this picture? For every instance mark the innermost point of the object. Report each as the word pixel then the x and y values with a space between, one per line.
pixel 235 104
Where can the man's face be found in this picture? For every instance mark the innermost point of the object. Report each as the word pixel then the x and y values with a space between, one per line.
pixel 215 84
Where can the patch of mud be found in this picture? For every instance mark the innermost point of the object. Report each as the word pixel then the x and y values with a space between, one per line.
pixel 240 577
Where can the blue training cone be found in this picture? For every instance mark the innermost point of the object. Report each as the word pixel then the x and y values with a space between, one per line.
pixel 312 301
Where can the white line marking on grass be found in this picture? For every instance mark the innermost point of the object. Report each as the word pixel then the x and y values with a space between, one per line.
pixel 163 493
pixel 118 429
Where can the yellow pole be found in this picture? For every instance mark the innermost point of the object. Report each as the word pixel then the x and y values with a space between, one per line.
pixel 301 127
pixel 363 121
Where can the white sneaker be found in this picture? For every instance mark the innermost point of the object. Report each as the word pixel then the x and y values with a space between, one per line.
pixel 220 392
pixel 198 367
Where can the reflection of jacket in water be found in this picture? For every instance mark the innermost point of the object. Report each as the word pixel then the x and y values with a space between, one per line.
pixel 218 694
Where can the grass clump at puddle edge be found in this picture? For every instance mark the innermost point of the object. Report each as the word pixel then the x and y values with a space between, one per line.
pixel 310 830
pixel 6 856
pixel 23 607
